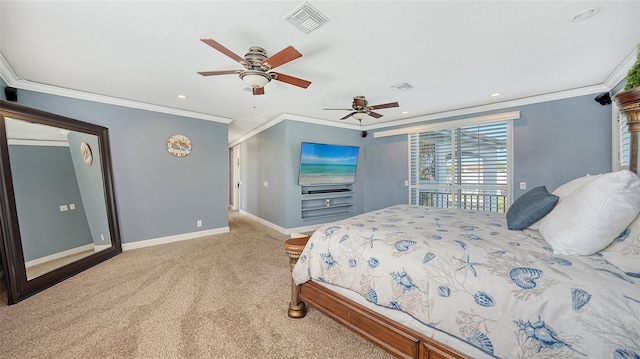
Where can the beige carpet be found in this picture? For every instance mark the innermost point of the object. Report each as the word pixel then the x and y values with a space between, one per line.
pixel 223 296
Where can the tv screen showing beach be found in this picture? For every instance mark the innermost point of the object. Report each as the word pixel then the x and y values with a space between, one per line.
pixel 327 164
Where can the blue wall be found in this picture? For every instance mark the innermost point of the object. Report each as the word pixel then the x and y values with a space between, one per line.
pixel 273 156
pixel 43 179
pixel 553 141
pixel 157 195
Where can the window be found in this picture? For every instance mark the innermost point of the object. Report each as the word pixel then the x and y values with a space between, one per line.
pixel 464 167
pixel 622 141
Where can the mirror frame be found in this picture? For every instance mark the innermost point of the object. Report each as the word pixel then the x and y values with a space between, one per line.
pixel 11 251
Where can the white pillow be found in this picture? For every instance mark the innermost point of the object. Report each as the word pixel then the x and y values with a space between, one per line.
pixel 569 187
pixel 565 190
pixel 590 217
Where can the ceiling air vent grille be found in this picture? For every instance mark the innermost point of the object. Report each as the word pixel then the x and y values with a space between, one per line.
pixel 402 87
pixel 306 18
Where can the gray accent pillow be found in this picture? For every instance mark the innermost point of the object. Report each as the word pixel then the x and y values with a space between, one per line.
pixel 530 207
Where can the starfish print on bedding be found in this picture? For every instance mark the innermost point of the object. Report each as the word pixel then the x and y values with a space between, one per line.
pixel 370 240
pixel 466 264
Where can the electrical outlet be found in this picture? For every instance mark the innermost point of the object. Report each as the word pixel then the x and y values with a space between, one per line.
pixel 63 208
pixel 72 206
pixel 199 223
pixel 523 185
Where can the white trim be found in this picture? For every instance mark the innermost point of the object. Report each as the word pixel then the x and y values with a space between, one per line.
pixel 171 239
pixel 14 81
pixel 287 116
pixel 101 247
pixel 6 72
pixel 264 222
pixel 51 257
pixel 505 116
pixel 496 106
pixel 48 143
pixel 621 72
pixel 615 138
pixel 510 166
pixel 287 231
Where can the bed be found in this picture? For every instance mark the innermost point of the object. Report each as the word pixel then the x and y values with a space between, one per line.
pixel 424 282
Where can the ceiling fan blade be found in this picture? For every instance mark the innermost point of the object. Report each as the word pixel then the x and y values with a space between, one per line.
pixel 386 105
pixel 224 50
pixel 339 109
pixel 258 91
pixel 224 72
pixel 280 58
pixel 347 116
pixel 374 114
pixel 290 79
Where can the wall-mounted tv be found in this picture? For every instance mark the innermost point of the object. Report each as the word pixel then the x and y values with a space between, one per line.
pixel 322 164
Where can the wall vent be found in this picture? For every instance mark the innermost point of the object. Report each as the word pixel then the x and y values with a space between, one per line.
pixel 306 18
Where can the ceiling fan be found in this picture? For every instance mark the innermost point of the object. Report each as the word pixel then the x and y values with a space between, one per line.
pixel 257 66
pixel 361 108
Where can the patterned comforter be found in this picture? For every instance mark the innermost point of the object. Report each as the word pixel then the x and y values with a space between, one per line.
pixel 464 273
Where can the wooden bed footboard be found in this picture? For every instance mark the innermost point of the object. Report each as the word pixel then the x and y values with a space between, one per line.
pixel 389 335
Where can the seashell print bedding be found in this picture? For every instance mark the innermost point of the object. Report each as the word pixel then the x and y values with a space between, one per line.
pixel 464 273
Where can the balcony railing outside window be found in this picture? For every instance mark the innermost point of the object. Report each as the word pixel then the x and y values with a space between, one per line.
pixel 476 202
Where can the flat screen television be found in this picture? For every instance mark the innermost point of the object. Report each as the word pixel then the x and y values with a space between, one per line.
pixel 324 164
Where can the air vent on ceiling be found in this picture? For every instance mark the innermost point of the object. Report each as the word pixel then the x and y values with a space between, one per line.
pixel 402 87
pixel 306 18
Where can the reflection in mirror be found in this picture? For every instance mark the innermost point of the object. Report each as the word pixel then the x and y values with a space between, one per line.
pixel 58 214
pixel 58 193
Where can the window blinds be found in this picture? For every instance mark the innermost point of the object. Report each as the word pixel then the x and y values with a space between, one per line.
pixel 464 167
pixel 625 142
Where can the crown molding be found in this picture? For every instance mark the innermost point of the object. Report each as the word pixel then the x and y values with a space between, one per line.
pixel 292 117
pixel 494 106
pixel 10 77
pixel 621 72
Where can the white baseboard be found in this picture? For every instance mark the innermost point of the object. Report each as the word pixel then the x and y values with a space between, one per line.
pixel 262 221
pixel 278 228
pixel 68 252
pixel 101 247
pixel 171 239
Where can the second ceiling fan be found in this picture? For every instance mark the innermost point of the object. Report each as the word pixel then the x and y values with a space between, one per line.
pixel 257 66
pixel 361 108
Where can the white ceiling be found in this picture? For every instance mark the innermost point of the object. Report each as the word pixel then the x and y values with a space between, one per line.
pixel 453 53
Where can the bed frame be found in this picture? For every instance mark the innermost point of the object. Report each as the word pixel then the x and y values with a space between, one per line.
pixel 391 336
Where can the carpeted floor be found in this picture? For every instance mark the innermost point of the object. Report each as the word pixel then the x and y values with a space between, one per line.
pixel 222 296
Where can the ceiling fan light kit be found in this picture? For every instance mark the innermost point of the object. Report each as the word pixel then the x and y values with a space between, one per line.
pixel 255 79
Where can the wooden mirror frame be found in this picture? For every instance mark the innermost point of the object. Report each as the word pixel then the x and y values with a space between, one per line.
pixel 11 250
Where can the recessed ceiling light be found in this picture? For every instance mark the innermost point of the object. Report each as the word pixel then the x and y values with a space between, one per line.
pixel 182 96
pixel 405 112
pixel 585 14
pixel 496 94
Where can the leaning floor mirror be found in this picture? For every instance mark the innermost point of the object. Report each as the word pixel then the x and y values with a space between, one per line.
pixel 58 208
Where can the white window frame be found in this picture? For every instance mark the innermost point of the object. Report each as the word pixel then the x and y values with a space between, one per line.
pixel 617 119
pixel 451 126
